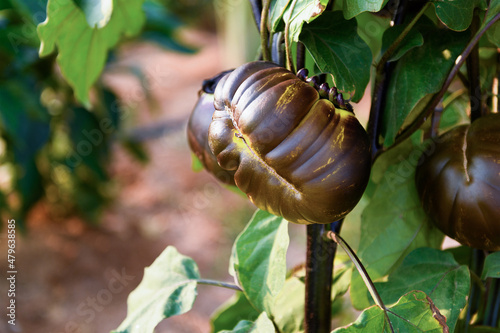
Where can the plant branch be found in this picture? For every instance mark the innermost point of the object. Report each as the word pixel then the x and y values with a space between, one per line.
pixel 381 85
pixel 219 284
pixel 289 60
pixel 362 271
pixel 264 34
pixel 319 272
pixel 413 127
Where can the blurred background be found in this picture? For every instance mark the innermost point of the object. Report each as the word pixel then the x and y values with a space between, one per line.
pixel 88 224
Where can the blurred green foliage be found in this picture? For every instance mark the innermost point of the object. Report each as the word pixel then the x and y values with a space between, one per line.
pixel 51 146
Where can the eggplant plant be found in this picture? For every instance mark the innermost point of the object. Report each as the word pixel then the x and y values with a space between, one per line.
pixel 284 130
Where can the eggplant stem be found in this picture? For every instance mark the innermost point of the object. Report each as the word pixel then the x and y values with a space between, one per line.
pixel 362 271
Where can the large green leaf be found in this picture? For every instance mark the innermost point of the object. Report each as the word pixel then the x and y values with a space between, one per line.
pixel 82 49
pixel 288 311
pixel 259 259
pixel 262 325
pixel 229 314
pixel 353 8
pixel 437 274
pixel 491 266
pixel 456 14
pixel 168 288
pixel 414 312
pixel 418 74
pixel 393 223
pixel 342 53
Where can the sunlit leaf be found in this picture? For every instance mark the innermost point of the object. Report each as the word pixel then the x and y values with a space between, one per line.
pixel 168 288
pixel 82 59
pixel 259 258
pixel 97 12
pixel 288 311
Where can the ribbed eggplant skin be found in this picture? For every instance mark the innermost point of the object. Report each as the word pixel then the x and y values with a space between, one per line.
pixel 459 183
pixel 293 153
pixel 197 133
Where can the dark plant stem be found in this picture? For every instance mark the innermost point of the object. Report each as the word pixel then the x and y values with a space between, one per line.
pixel 472 62
pixel 219 284
pixel 493 308
pixel 476 266
pixel 382 78
pixel 301 56
pixel 319 271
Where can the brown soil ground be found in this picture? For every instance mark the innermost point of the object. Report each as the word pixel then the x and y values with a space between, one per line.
pixel 67 268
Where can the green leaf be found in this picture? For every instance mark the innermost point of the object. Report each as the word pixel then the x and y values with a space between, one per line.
pixel 493 10
pixel 231 312
pixel 491 266
pixel 97 12
pixel 262 325
pixel 413 39
pixel 343 54
pixel 419 73
pixel 82 49
pixel 259 258
pixel 393 223
pixel 288 310
pixel 437 274
pixel 168 288
pixel 455 14
pixel 353 8
pixel 493 34
pixel 455 106
pixel 276 11
pixel 304 11
pixel 414 312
